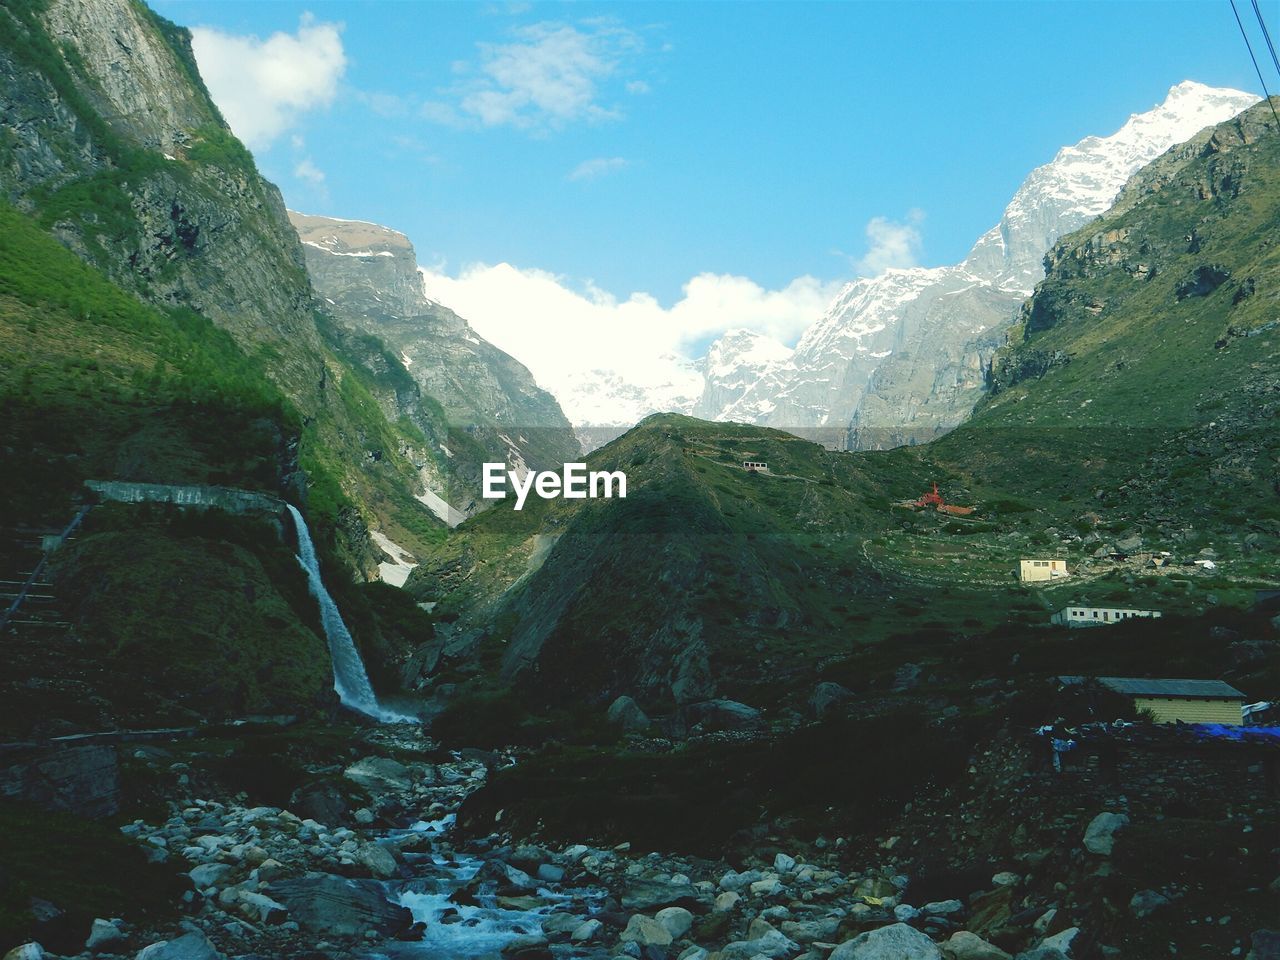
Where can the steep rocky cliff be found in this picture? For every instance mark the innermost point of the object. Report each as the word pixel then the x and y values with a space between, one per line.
pixel 110 141
pixel 476 402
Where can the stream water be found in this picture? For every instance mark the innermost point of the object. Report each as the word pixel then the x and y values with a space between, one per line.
pixel 469 926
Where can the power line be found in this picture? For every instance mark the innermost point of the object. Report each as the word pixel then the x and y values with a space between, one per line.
pixel 1257 69
pixel 1266 34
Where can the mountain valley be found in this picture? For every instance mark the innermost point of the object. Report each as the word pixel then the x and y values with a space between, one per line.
pixel 280 683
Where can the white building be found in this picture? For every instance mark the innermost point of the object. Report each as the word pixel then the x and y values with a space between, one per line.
pixel 1097 616
pixel 1034 571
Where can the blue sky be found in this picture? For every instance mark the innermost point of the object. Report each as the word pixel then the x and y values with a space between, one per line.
pixel 685 166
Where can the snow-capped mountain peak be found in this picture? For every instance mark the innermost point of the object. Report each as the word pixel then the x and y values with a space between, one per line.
pixel 898 357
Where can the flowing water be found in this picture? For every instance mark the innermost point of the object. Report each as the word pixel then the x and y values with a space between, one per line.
pixel 473 928
pixel 350 679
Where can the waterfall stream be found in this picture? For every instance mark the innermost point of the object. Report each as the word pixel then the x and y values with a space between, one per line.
pixel 350 679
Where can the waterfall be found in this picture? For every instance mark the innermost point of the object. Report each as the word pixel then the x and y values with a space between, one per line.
pixel 350 679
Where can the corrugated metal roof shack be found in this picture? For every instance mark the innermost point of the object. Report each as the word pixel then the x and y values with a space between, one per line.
pixel 1188 701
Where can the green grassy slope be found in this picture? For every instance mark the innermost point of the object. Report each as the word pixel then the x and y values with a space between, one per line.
pixel 173 618
pixel 1143 375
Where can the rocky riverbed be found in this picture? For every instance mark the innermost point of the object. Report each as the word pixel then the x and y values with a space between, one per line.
pixel 366 862
pixel 389 878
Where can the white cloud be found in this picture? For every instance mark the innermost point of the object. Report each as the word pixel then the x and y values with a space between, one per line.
pixel 263 87
pixel 597 167
pixel 559 332
pixel 891 244
pixel 306 170
pixel 550 75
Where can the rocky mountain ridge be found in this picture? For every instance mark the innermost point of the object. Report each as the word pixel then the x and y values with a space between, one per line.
pixel 475 404
pixel 900 358
pixel 114 146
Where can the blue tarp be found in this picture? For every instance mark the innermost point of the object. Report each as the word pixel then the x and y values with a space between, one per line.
pixel 1221 731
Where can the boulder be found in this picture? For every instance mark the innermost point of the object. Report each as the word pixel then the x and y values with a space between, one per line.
pixel 874 887
pixel 646 931
pixel 1265 945
pixel 550 873
pixel 773 945
pixel 587 931
pixel 677 920
pixel 727 900
pixel 323 801
pixel 894 942
pixel 209 875
pixel 1146 902
pixel 654 894
pixel 732 880
pixel 964 945
pixel 725 715
pixel 191 946
pixel 261 908
pixel 1099 836
pixel 380 774
pixel 561 924
pixel 341 907
pixel 378 860
pixel 809 931
pixel 626 713
pixel 907 677
pixel 767 886
pixel 827 696
pixel 27 951
pixel 104 937
pixel 1061 941
pixel 784 863
pixel 530 943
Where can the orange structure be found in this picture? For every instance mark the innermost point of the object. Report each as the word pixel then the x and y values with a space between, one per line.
pixel 934 499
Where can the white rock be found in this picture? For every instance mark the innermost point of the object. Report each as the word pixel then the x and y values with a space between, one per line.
pixel 1061 941
pixel 28 951
pixel 209 874
pixel 1099 836
pixel 772 945
pixel 257 906
pixel 964 945
pixel 379 860
pixel 191 946
pixel 943 907
pixel 677 920
pixel 895 942
pixel 104 937
pixel 587 931
pixel 646 931
pixel 784 863
pixel 766 887
pixel 727 900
